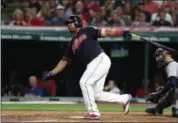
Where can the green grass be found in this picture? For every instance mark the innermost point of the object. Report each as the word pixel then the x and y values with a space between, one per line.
pixel 62 107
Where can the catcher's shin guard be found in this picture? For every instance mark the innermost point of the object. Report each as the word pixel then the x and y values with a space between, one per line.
pixel 175 108
pixel 174 112
pixel 166 101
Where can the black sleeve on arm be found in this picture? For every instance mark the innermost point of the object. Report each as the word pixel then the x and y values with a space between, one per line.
pixel 173 80
pixel 171 84
pixel 69 54
pixel 98 32
pixel 95 31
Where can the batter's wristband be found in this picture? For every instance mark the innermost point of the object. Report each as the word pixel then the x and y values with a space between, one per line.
pixel 118 32
pixel 68 59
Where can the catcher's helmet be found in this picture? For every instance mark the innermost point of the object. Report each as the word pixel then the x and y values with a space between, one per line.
pixel 76 20
pixel 160 55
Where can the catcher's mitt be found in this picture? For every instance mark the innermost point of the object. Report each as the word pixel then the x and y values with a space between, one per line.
pixel 155 96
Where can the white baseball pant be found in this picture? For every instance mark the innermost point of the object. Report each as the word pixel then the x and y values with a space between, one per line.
pixel 92 84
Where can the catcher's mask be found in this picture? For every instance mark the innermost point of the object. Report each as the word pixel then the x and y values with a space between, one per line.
pixel 76 20
pixel 160 55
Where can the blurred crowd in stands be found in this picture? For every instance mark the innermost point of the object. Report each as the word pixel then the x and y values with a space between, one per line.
pixel 33 88
pixel 93 12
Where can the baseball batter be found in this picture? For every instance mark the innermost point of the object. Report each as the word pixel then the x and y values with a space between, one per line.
pixel 85 46
pixel 166 96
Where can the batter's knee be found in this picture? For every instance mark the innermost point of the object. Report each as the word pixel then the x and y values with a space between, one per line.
pixel 84 83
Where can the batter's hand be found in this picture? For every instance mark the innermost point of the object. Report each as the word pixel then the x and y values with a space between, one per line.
pixel 126 33
pixel 48 75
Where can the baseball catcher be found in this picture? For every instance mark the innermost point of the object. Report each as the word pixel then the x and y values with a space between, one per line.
pixel 166 96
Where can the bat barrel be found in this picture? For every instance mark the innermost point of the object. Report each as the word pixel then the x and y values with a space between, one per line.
pixel 154 43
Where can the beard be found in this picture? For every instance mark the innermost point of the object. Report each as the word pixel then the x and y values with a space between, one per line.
pixel 71 31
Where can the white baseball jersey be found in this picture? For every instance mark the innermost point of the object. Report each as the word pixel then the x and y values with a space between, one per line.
pixel 172 69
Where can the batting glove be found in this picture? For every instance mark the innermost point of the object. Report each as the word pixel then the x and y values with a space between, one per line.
pixel 48 75
pixel 126 33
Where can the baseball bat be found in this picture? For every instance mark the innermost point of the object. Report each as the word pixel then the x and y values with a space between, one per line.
pixel 154 43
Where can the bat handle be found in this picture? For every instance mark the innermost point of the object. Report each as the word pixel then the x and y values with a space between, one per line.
pixel 135 36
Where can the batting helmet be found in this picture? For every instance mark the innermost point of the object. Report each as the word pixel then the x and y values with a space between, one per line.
pixel 76 20
pixel 160 55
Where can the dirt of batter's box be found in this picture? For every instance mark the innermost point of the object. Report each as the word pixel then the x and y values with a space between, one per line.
pixel 65 116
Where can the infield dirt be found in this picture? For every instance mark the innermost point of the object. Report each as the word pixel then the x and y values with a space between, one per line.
pixel 65 116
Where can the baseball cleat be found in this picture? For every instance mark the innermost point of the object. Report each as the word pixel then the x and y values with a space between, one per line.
pixel 127 104
pixel 153 111
pixel 91 117
pixel 150 111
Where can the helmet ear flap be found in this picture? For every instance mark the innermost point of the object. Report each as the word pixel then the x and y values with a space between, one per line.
pixel 76 20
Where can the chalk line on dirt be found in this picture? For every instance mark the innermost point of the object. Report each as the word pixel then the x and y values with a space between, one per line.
pixel 31 121
pixel 76 117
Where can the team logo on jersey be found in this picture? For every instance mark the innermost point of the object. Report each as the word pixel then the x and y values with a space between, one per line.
pixel 77 42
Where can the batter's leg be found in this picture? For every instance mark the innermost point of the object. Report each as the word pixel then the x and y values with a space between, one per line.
pixel 98 86
pixel 91 75
pixel 103 96
pixel 88 93
pixel 92 83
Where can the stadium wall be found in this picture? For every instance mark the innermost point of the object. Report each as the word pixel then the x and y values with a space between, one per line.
pixel 23 49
